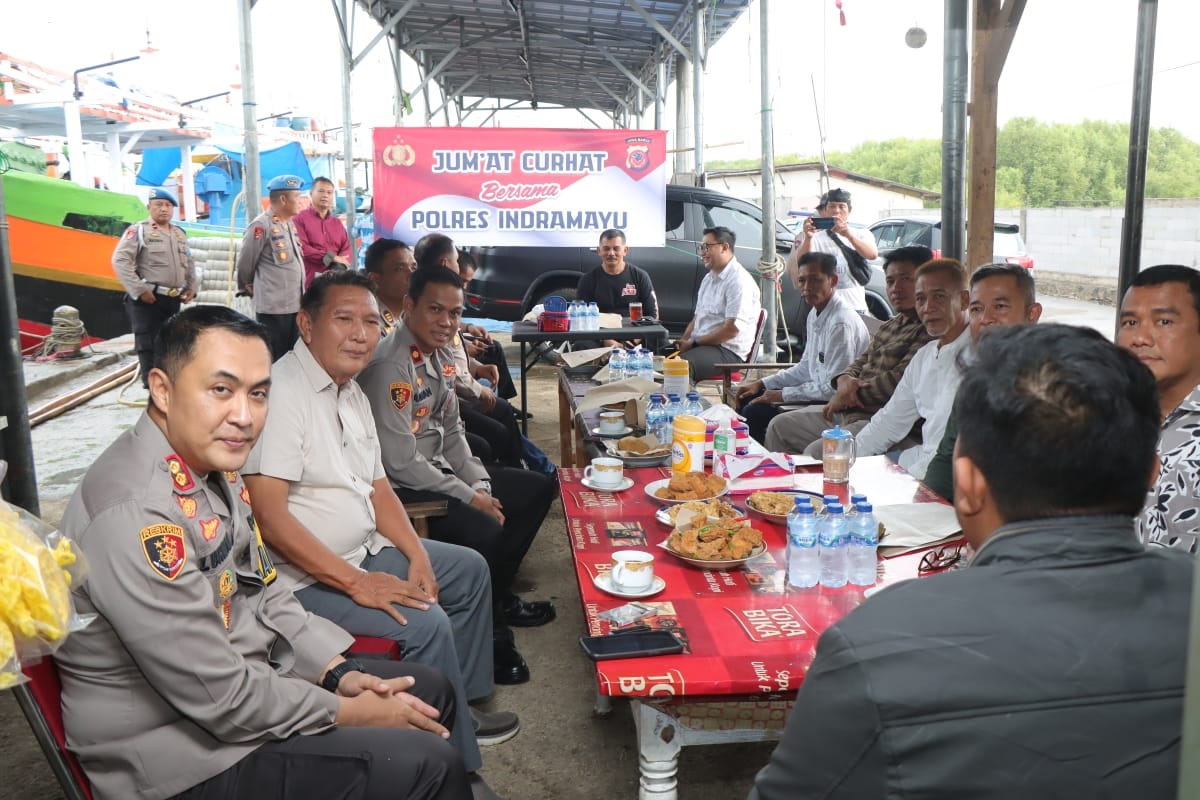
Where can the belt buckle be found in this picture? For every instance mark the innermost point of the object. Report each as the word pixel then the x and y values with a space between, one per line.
pixel 174 292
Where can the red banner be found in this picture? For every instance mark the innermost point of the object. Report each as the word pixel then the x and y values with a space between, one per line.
pixel 520 186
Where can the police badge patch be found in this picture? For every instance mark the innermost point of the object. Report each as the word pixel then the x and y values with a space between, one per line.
pixel 448 371
pixel 187 505
pixel 164 549
pixel 400 393
pixel 209 528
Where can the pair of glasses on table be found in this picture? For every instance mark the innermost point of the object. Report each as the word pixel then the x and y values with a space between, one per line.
pixel 941 558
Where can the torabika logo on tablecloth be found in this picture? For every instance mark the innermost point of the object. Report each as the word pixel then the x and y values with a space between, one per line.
pixel 764 624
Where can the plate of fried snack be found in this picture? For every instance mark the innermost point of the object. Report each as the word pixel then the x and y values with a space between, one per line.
pixel 685 486
pixel 776 506
pixel 639 451
pixel 703 509
pixel 719 544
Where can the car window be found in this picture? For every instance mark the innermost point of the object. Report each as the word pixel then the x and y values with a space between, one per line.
pixel 747 228
pixel 675 220
pixel 916 233
pixel 886 235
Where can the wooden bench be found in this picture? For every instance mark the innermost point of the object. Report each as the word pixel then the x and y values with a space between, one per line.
pixel 421 512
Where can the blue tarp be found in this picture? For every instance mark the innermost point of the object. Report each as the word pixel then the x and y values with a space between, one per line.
pixel 285 160
pixel 157 164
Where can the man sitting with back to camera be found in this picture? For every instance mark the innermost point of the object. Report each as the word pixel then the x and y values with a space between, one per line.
pixel 836 336
pixel 202 677
pixel 1054 664
pixel 346 546
pixel 495 510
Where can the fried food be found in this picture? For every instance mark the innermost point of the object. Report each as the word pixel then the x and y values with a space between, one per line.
pixel 692 486
pixel 722 540
pixel 777 503
pixel 710 509
pixel 632 444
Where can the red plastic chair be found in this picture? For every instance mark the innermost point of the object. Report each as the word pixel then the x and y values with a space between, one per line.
pixel 41 701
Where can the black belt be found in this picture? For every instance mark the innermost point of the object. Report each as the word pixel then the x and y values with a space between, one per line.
pixel 167 291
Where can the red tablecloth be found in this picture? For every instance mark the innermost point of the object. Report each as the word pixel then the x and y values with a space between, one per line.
pixel 746 632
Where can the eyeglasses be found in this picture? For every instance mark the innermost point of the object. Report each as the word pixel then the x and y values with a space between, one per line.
pixel 940 559
pixel 705 246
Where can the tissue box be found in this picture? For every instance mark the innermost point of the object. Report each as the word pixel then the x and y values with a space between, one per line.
pixel 752 473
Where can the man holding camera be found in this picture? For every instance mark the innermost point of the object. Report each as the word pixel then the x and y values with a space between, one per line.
pixel 829 232
pixel 322 234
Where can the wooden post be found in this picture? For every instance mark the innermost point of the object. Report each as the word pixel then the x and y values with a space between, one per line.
pixel 994 27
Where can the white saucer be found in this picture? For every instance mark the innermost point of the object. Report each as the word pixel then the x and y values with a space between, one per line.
pixel 625 483
pixel 617 434
pixel 605 585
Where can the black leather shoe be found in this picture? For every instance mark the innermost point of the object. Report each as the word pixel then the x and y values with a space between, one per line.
pixel 527 614
pixel 509 667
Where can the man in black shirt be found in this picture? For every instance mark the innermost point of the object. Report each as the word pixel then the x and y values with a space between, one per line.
pixel 615 284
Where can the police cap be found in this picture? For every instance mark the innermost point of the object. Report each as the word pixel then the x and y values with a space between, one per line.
pixel 283 183
pixel 162 194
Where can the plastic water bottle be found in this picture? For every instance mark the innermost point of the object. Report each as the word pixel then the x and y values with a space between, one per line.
pixel 832 538
pixel 724 442
pixel 861 561
pixel 656 419
pixel 674 409
pixel 573 322
pixel 593 316
pixel 616 365
pixel 856 500
pixel 644 362
pixel 826 502
pixel 803 551
pixel 693 405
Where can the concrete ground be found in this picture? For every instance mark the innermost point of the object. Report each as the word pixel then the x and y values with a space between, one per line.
pixel 563 752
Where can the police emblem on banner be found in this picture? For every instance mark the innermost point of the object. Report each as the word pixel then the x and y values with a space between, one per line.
pixel 637 153
pixel 179 473
pixel 400 393
pixel 164 549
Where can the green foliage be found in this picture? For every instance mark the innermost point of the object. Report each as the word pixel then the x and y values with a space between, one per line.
pixel 1037 164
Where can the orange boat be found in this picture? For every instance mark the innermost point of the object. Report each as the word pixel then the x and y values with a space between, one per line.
pixel 62 237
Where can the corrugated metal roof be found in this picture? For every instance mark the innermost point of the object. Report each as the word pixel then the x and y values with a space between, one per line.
pixel 563 52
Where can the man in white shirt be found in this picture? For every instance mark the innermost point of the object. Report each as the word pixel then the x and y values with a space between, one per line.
pixel 927 389
pixel 836 336
pixel 727 308
pixel 835 205
pixel 345 545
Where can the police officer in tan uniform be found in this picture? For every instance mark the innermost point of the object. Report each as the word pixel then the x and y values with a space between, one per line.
pixel 495 510
pixel 270 265
pixel 154 265
pixel 202 676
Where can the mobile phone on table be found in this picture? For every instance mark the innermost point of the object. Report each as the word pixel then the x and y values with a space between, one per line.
pixel 823 223
pixel 630 645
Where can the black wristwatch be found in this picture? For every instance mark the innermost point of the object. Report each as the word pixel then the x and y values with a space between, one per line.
pixel 334 676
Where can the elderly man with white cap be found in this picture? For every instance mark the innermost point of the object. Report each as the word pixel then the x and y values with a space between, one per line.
pixel 155 266
pixel 270 266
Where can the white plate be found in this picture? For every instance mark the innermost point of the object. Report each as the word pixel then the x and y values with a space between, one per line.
pixel 645 461
pixel 663 515
pixel 620 487
pixel 654 486
pixel 605 585
pixel 714 564
pixel 615 434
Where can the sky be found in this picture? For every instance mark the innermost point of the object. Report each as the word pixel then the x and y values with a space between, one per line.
pixel 1071 60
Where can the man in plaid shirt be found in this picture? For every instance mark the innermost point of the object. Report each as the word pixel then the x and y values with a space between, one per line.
pixel 868 383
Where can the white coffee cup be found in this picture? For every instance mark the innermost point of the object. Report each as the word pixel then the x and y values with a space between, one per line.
pixel 612 421
pixel 632 570
pixel 605 471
